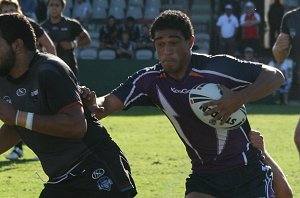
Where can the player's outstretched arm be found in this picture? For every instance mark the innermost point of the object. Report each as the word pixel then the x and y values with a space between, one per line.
pixel 8 137
pixel 281 186
pixel 297 136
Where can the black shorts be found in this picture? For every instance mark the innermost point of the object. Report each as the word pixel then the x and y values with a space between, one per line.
pixel 251 181
pixel 104 174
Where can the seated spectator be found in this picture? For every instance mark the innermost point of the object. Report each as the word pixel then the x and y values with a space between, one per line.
pixel 249 55
pixel 29 8
pixel 286 67
pixel 125 47
pixel 108 34
pixel 145 40
pixel 83 12
pixel 132 28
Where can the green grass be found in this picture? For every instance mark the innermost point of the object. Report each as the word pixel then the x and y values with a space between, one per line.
pixel 157 156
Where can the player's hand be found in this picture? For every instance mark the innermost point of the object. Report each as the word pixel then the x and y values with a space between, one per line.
pixel 89 99
pixel 66 45
pixel 225 106
pixel 257 140
pixel 283 42
pixel 7 113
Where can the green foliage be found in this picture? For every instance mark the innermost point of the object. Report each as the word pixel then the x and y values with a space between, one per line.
pixel 157 156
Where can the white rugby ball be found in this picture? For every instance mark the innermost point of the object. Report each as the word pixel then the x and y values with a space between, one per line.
pixel 206 92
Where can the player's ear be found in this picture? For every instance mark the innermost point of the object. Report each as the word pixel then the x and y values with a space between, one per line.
pixel 191 41
pixel 17 45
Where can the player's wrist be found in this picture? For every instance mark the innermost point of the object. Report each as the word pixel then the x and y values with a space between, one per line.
pixel 24 119
pixel 74 44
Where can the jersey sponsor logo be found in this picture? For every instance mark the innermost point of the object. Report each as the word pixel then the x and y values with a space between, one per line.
pixel 104 183
pixel 34 93
pixel 7 99
pixel 98 173
pixel 180 91
pixel 21 92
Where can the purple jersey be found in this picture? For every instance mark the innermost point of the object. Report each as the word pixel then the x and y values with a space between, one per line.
pixel 210 149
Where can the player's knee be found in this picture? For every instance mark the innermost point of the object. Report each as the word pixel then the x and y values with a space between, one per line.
pixel 297 137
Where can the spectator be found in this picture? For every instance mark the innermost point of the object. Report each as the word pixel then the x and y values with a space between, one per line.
pixel 145 40
pixel 227 26
pixel 132 29
pixel 286 67
pixel 275 14
pixel 249 55
pixel 67 34
pixel 41 11
pixel 125 47
pixel 29 8
pixel 82 11
pixel 108 34
pixel 249 22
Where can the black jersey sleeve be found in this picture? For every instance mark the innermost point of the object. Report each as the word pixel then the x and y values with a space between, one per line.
pixel 77 28
pixel 38 30
pixel 284 24
pixel 59 86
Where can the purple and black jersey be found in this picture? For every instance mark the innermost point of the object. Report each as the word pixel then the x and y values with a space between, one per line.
pixel 210 149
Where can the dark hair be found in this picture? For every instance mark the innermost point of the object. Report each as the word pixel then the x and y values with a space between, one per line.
pixel 63 3
pixel 15 26
pixel 172 19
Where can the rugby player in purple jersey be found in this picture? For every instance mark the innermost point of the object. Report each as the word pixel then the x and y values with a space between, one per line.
pixel 224 163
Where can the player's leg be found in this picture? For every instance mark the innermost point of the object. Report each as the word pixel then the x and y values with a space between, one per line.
pixel 198 195
pixel 297 136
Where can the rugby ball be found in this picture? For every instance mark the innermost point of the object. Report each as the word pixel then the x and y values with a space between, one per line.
pixel 206 92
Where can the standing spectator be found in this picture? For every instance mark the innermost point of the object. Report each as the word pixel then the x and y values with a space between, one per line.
pixel 275 14
pixel 132 28
pixel 45 110
pixel 83 12
pixel 41 10
pixel 125 47
pixel 286 67
pixel 249 22
pixel 66 33
pixel 227 27
pixel 108 34
pixel 29 8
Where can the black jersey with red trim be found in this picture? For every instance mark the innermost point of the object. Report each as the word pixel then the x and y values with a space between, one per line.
pixel 210 149
pixel 47 88
pixel 66 30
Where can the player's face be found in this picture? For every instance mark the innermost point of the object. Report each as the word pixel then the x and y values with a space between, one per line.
pixel 8 9
pixel 55 8
pixel 174 51
pixel 7 58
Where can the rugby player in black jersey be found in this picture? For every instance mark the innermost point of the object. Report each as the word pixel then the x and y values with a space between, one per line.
pixel 40 104
pixel 224 164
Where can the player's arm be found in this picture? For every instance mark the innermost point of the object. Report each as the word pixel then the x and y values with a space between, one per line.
pixel 281 186
pixel 266 83
pixel 282 47
pixel 8 137
pixel 68 122
pixel 47 43
pixel 84 39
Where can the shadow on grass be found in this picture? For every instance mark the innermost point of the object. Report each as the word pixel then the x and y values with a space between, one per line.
pixel 19 161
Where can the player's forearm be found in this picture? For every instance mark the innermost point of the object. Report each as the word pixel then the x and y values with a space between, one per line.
pixel 110 104
pixel 8 137
pixel 281 186
pixel 69 124
pixel 280 55
pixel 267 82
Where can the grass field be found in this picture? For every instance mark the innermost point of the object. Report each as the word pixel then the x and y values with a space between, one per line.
pixel 157 156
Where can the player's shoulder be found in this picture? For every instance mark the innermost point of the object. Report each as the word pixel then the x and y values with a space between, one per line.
pixel 155 69
pixel 292 13
pixel 47 62
pixel 70 20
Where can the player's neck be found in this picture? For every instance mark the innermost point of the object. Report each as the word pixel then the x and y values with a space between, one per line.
pixel 22 64
pixel 55 19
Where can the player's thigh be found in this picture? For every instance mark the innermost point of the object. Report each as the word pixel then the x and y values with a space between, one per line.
pixel 198 195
